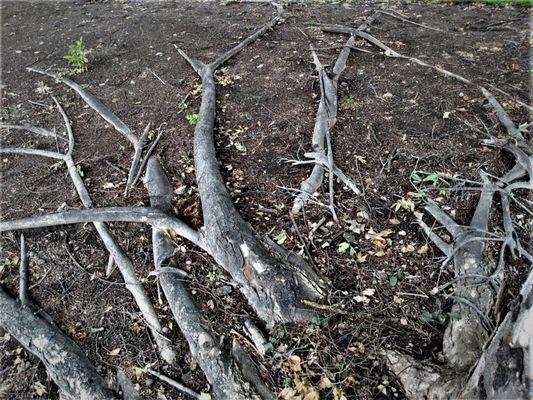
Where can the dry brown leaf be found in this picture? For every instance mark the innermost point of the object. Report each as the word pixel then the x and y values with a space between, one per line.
pixel 423 250
pixel 295 363
pixel 40 389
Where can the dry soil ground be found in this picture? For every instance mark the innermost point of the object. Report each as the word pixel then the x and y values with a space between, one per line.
pixel 395 117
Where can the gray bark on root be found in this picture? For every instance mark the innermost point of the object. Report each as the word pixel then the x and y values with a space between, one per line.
pixel 65 362
pixel 503 371
pixel 116 252
pixel 481 362
pixel 227 380
pixel 273 288
pixel 325 120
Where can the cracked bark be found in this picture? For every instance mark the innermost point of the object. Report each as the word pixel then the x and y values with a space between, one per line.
pixel 65 362
pixel 273 288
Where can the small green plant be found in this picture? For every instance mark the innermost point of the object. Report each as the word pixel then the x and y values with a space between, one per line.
pixel 438 315
pixel 315 324
pixel 79 170
pixel 346 247
pixel 348 100
pixel 214 275
pixel 8 262
pixel 382 387
pixel 192 118
pixel 76 56
pixel 393 279
pixel 281 237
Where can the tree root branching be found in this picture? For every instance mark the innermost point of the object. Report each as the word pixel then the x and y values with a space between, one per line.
pixel 227 379
pixel 116 252
pixel 274 289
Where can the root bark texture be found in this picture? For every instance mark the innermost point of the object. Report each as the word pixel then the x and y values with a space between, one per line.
pixel 65 362
pixel 481 361
pixel 273 288
pixel 225 376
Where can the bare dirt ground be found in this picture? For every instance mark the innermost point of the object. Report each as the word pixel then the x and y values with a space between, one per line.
pixel 395 117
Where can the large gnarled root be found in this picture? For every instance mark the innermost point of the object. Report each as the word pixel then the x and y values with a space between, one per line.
pixel 225 376
pixel 503 371
pixel 498 356
pixel 273 288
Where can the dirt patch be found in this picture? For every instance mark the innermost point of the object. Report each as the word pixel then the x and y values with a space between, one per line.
pixel 395 118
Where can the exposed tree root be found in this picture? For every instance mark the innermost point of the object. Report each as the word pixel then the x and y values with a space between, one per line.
pixel 66 364
pixel 64 361
pixel 387 51
pixel 110 117
pixel 481 361
pixel 501 364
pixel 273 288
pixel 226 377
pixel 325 120
pixel 116 253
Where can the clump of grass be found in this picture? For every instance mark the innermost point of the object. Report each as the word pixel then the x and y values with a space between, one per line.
pixel 76 57
pixel 192 118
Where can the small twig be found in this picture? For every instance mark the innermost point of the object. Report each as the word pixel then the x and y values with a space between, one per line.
pixel 24 279
pixel 169 270
pixel 136 158
pixel 330 175
pixel 146 158
pixel 302 240
pixel 33 129
pixel 409 21
pixel 183 389
pixel 154 74
pixel 485 321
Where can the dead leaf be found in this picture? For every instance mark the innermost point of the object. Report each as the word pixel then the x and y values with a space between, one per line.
pixel 408 249
pixel 40 389
pixel 137 327
pixel 325 383
pixel 423 250
pixel 115 352
pixel 109 185
pixel 295 363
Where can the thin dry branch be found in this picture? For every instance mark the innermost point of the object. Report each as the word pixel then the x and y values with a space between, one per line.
pixel 387 51
pixel 92 102
pixel 146 215
pixel 107 115
pixel 181 388
pixel 34 129
pixel 401 18
pixel 24 278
